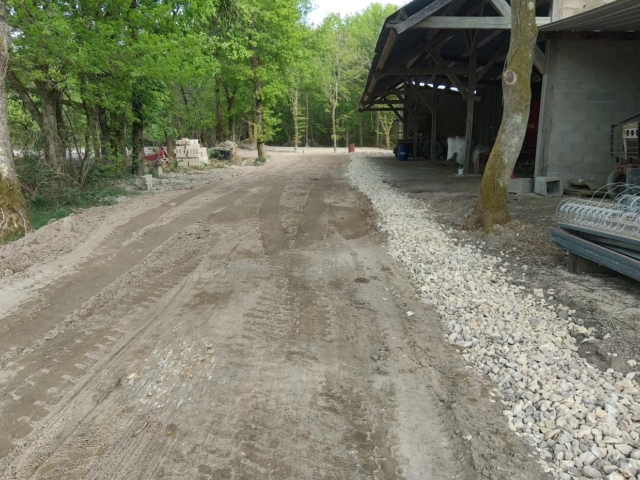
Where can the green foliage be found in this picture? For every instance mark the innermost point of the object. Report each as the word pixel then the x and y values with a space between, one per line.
pixel 49 193
pixel 39 218
pixel 103 70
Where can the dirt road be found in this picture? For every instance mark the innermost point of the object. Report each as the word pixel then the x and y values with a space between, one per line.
pixel 250 329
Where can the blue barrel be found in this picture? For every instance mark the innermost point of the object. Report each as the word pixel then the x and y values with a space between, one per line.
pixel 402 152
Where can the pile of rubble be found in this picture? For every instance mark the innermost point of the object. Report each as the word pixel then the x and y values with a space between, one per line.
pixel 583 422
pixel 189 153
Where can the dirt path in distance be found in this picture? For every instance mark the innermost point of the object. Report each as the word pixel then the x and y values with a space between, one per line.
pixel 254 328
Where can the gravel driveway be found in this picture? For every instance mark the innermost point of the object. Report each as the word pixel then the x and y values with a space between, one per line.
pixel 583 421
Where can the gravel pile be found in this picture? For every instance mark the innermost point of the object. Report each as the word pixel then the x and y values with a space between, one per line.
pixel 584 423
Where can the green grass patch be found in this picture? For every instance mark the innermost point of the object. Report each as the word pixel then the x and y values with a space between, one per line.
pixel 51 195
pixel 39 218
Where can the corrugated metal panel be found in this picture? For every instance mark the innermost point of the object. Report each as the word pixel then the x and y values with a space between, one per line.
pixel 618 16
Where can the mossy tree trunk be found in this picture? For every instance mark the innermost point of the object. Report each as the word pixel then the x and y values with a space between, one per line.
pixel 258 106
pixel 491 207
pixel 295 111
pixel 14 219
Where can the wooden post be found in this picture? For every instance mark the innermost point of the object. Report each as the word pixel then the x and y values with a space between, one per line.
pixel 416 126
pixel 470 105
pixel 434 109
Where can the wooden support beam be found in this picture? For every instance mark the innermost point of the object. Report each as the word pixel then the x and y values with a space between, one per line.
pixel 391 41
pixel 388 48
pixel 452 76
pixel 421 15
pixel 502 7
pixel 451 10
pixel 470 107
pixel 426 101
pixel 472 23
pixel 379 109
pixel 487 39
pixel 483 71
pixel 540 60
pixel 416 128
pixel 440 70
pixel 434 130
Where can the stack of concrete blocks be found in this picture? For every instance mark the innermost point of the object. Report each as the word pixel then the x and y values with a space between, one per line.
pixel 189 153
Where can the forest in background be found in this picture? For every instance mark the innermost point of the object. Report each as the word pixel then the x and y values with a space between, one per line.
pixel 90 83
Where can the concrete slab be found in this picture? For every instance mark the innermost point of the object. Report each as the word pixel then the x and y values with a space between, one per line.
pixel 549 186
pixel 520 185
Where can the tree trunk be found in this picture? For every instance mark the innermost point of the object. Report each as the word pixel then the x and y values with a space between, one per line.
pixel 360 131
pixel 137 129
pixel 306 130
pixel 171 149
pixel 14 218
pixel 63 134
pixel 310 128
pixel 219 129
pixel 491 207
pixel 333 129
pixel 105 134
pixel 378 134
pixel 49 126
pixel 250 131
pixel 231 119
pixel 294 111
pixel 259 107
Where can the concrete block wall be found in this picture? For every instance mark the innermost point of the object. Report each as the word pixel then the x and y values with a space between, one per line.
pixel 591 85
pixel 568 8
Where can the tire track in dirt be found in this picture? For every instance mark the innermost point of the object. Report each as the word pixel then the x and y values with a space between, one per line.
pixel 233 350
pixel 60 301
pixel 81 409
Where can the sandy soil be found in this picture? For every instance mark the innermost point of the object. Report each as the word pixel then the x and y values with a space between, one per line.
pixel 608 302
pixel 252 327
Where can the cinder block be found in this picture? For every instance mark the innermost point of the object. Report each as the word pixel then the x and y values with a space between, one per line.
pixel 520 185
pixel 558 168
pixel 549 186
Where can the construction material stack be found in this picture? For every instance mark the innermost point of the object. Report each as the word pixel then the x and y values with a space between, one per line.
pixel 189 153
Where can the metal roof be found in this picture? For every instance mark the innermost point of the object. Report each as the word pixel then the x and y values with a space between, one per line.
pixel 617 16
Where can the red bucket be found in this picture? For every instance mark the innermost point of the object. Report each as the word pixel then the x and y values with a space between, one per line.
pixel 352 147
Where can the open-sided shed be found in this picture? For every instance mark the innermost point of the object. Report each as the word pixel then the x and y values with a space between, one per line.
pixel 438 67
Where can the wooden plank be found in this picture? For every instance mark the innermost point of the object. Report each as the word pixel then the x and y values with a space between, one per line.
pixel 540 60
pixel 483 71
pixel 416 129
pixel 421 15
pixel 451 10
pixel 472 23
pixel 388 48
pixel 488 38
pixel 502 7
pixel 452 76
pixel 434 130
pixel 440 70
pixel 470 107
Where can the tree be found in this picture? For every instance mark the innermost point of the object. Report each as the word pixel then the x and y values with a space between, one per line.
pixel 386 124
pixel 14 219
pixel 336 65
pixel 491 207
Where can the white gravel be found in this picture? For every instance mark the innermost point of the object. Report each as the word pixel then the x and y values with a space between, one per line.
pixel 584 423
